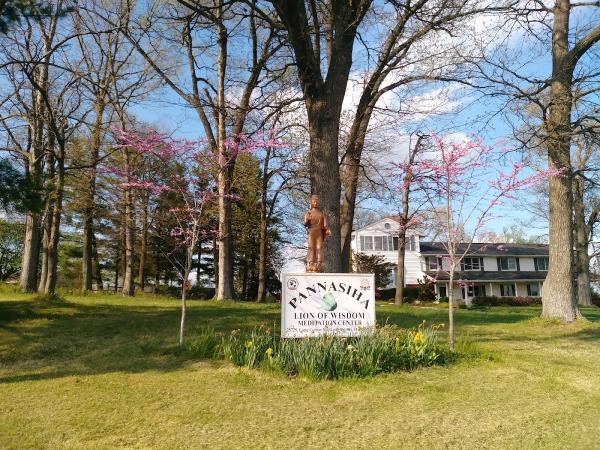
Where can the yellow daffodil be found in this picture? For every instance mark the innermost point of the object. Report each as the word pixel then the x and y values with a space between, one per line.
pixel 249 344
pixel 419 337
pixel 269 353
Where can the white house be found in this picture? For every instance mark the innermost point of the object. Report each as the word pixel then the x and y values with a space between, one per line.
pixel 381 238
pixel 488 269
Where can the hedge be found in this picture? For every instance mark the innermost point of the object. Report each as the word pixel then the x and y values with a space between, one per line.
pixel 507 301
pixel 410 294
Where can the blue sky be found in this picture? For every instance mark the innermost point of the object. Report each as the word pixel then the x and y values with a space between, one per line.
pixel 168 112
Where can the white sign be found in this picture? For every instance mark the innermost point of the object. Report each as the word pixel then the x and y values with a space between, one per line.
pixel 327 303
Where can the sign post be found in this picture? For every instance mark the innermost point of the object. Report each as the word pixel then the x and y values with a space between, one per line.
pixel 313 304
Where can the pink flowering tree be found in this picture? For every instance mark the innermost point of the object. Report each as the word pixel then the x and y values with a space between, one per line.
pixel 463 184
pixel 190 173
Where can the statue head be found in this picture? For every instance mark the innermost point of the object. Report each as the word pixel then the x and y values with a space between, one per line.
pixel 314 201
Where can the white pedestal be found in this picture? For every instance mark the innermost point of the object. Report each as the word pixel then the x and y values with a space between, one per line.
pixel 314 304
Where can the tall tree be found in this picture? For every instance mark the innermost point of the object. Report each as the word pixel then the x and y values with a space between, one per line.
pixel 558 296
pixel 549 32
pixel 309 24
pixel 406 219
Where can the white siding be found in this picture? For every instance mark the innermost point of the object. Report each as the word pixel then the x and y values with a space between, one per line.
pixel 412 259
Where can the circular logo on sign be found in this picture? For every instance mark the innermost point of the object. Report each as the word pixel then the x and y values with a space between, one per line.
pixel 365 284
pixel 292 284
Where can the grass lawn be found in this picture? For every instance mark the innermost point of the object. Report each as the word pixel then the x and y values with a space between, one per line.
pixel 101 372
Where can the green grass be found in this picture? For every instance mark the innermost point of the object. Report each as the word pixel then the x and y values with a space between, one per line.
pixel 103 372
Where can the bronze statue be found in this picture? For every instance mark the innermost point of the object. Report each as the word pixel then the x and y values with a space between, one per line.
pixel 317 228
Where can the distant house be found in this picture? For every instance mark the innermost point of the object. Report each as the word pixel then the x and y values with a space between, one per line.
pixel 491 269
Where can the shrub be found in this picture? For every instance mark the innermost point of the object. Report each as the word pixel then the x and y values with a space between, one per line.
pixel 595 298
pixel 374 264
pixel 410 294
pixel 425 291
pixel 385 294
pixel 507 301
pixel 200 293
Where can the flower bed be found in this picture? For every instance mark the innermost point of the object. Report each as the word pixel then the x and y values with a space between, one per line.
pixel 383 349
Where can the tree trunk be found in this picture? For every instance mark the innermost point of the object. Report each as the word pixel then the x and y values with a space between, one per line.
pixel 87 257
pixel 225 288
pixel 129 223
pixel 325 174
pixel 186 275
pixel 245 278
pixel 400 269
pixel 52 271
pixel 97 269
pixel 198 266
pixel 31 253
pixel 582 259
pixel 403 220
pixel 44 247
pixel 451 309
pixel 183 312
pixel 48 214
pixel 120 251
pixel 157 273
pixel 350 174
pixel 262 235
pixel 90 200
pixel 144 243
pixel 224 266
pixel 558 296
pixel 262 260
pixel 33 223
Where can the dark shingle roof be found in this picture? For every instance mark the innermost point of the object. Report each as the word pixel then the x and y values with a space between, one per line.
pixel 489 276
pixel 480 249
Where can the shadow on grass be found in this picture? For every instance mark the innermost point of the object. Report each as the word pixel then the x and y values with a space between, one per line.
pixel 44 341
pixel 69 338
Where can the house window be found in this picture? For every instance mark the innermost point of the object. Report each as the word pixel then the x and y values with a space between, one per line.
pixel 471 264
pixel 434 263
pixel 410 243
pixel 508 263
pixel 540 263
pixel 366 243
pixel 533 289
pixel 442 293
pixel 479 290
pixel 507 290
pixel 378 243
pixel 387 226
